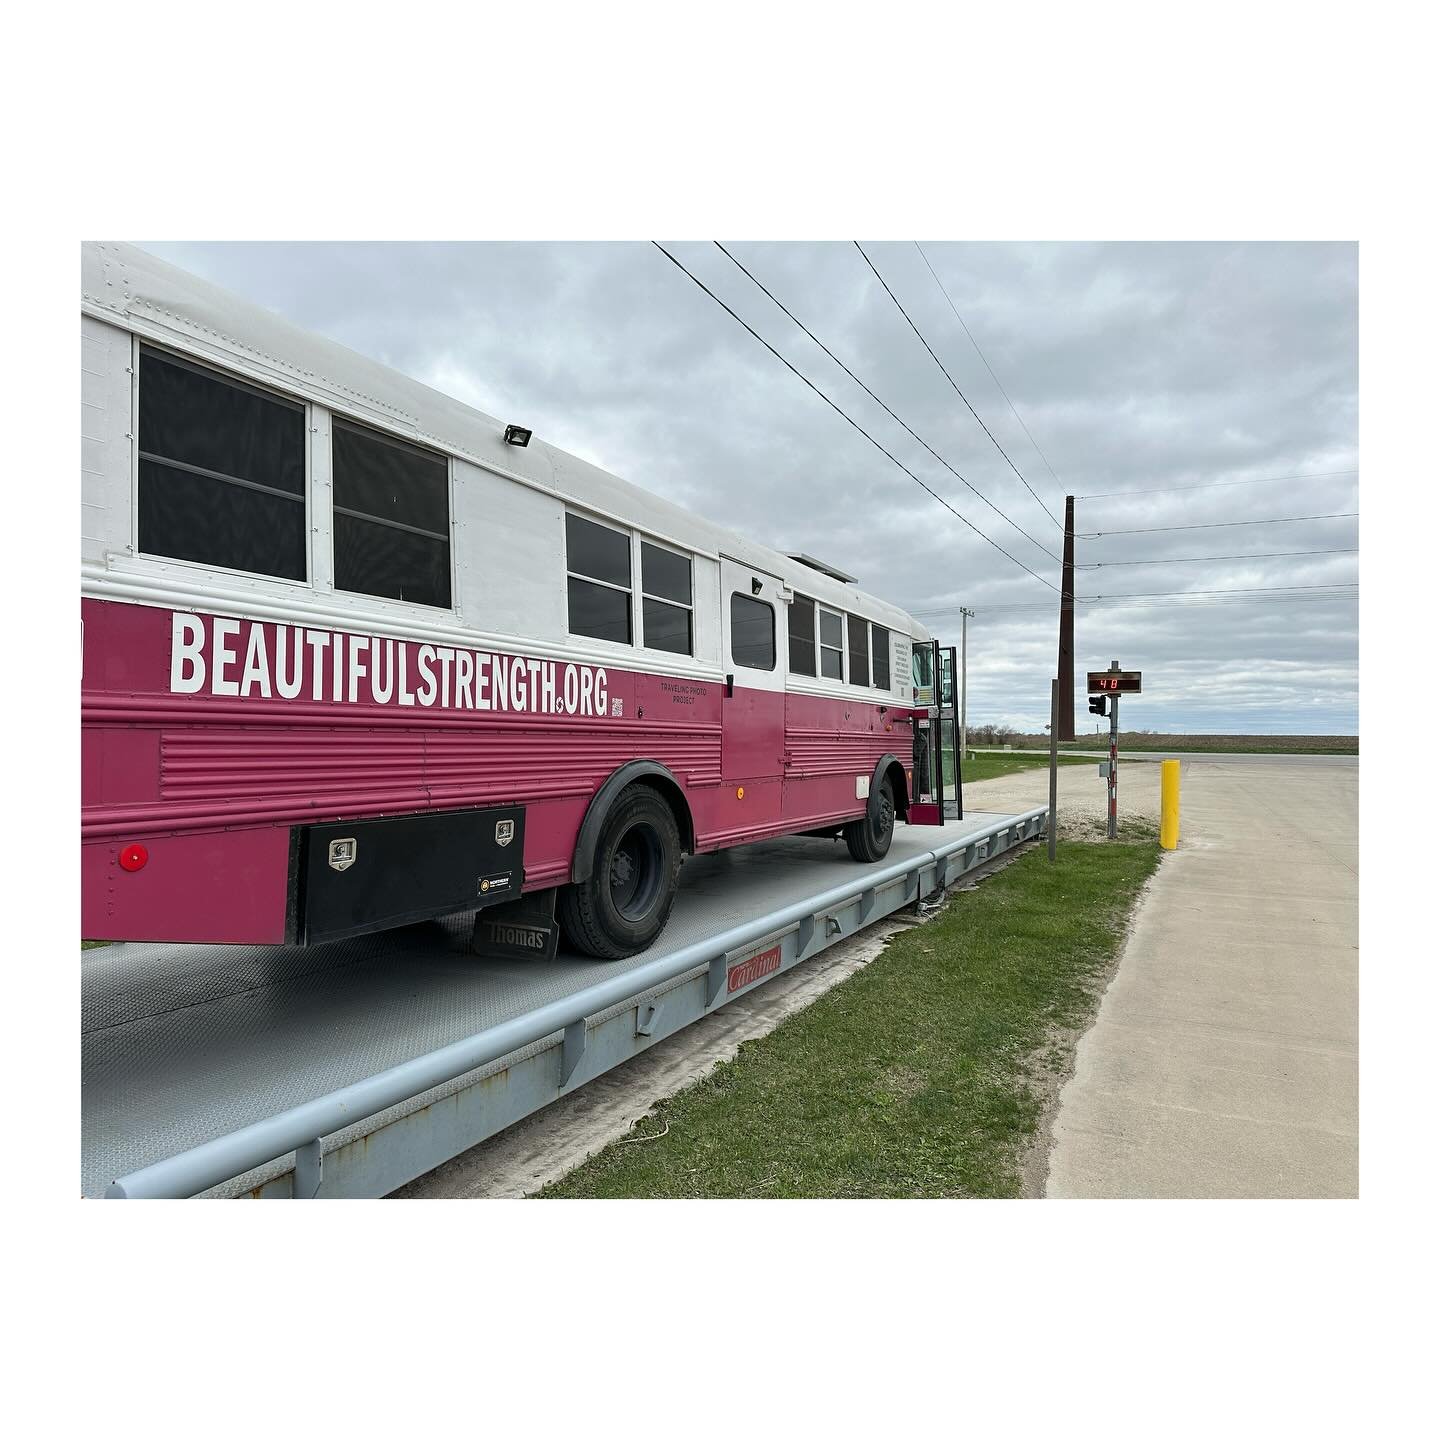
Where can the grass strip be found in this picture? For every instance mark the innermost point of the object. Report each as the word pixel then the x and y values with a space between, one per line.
pixel 923 1074
pixel 983 765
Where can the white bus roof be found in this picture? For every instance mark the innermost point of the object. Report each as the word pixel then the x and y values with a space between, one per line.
pixel 125 285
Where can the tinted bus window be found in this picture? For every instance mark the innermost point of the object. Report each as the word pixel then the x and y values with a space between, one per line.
pixel 667 599
pixel 597 551
pixel 832 641
pixel 752 632
pixel 859 631
pixel 802 636
pixel 392 517
pixel 222 471
pixel 598 586
pixel 880 657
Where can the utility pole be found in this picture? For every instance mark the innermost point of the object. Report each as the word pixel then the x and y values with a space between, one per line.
pixel 1054 760
pixel 1065 667
pixel 1114 755
pixel 964 618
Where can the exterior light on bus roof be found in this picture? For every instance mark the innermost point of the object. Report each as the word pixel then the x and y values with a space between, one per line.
pixel 517 435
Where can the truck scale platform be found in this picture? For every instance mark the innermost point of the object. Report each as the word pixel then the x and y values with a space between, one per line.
pixel 185 1045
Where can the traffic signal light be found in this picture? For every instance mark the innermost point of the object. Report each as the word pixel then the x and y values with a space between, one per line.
pixel 1097 704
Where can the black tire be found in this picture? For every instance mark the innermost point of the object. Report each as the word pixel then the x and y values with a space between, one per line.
pixel 869 839
pixel 624 903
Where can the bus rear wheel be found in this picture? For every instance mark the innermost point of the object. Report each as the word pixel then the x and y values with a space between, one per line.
pixel 869 839
pixel 622 906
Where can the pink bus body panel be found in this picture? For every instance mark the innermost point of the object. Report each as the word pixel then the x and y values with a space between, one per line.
pixel 212 784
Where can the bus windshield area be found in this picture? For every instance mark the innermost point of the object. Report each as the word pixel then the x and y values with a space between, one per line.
pixel 922 670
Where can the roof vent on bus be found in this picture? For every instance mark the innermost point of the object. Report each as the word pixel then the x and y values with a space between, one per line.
pixel 825 569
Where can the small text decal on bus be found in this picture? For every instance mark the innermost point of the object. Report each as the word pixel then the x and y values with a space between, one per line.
pixel 245 658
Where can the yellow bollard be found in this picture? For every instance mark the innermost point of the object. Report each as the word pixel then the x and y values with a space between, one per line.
pixel 1169 804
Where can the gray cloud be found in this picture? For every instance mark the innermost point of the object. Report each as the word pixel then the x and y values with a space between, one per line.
pixel 1135 366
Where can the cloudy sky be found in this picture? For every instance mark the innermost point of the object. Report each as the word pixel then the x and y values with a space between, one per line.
pixel 1135 368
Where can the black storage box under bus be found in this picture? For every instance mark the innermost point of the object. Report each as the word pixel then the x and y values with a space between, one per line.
pixel 362 875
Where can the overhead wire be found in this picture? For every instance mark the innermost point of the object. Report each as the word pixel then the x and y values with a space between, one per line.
pixel 851 422
pixel 940 284
pixel 951 379
pixel 823 346
pixel 1120 603
pixel 1221 524
pixel 1217 484
pixel 1198 559
pixel 1221 590
pixel 1331 591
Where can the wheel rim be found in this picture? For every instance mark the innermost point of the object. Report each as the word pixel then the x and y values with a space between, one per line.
pixel 884 819
pixel 635 871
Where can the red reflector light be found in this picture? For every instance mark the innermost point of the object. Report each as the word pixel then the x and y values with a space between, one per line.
pixel 134 856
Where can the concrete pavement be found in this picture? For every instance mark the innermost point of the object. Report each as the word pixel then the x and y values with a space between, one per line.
pixel 1224 1059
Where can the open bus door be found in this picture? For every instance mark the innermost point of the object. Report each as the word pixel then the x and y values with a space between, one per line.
pixel 935 791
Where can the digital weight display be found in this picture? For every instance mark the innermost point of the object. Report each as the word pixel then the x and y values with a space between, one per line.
pixel 1112 682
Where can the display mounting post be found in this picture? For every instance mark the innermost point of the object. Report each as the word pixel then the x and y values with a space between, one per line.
pixel 1112 684
pixel 1114 759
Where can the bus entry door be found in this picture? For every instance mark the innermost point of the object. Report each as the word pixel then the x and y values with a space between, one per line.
pixel 935 790
pixel 752 739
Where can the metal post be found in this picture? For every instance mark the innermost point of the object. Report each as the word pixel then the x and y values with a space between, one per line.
pixel 1169 804
pixel 964 619
pixel 1065 664
pixel 1054 758
pixel 1114 755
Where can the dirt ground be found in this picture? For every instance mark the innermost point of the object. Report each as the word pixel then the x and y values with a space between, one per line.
pixel 1080 796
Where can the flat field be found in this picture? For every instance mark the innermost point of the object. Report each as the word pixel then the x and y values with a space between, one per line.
pixel 1236 744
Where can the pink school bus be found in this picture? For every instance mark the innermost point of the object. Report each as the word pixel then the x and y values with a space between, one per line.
pixel 356 655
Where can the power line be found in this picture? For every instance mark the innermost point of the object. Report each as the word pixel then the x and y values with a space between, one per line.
pixel 988 366
pixel 1119 602
pixel 1291 590
pixel 1222 590
pixel 1217 484
pixel 1194 559
pixel 951 379
pixel 882 404
pixel 1223 524
pixel 852 423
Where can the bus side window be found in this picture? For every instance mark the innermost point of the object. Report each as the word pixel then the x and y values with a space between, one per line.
pixel 392 517
pixel 597 560
pixel 880 657
pixel 832 645
pixel 859 632
pixel 802 635
pixel 667 600
pixel 222 471
pixel 752 632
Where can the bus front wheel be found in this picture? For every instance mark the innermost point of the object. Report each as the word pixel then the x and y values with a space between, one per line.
pixel 622 905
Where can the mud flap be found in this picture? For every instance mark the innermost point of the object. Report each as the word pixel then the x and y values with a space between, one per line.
pixel 523 929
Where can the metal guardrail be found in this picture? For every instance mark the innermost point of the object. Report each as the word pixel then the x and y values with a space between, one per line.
pixel 303 1127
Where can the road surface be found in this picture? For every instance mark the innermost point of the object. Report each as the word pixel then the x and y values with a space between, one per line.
pixel 1224 1060
pixel 1257 757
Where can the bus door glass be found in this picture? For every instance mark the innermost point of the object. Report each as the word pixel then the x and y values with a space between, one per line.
pixel 936 762
pixel 754 624
pixel 948 730
pixel 925 807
